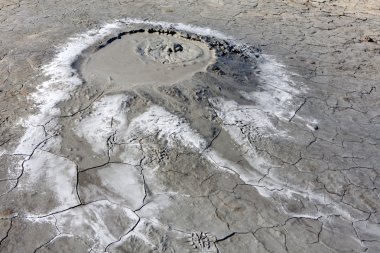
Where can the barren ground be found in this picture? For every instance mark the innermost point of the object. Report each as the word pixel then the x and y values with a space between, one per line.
pixel 274 149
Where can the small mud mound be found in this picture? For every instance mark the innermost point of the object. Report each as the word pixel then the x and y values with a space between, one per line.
pixel 146 58
pixel 172 50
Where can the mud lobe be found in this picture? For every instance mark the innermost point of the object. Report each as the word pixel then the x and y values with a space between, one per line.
pixel 145 58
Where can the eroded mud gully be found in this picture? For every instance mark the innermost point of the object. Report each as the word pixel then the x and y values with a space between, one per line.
pixel 159 137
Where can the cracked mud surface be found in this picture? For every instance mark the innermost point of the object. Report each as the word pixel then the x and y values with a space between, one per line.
pixel 270 150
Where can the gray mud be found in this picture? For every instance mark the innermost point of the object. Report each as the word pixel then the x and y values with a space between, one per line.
pixel 221 70
pixel 144 58
pixel 268 143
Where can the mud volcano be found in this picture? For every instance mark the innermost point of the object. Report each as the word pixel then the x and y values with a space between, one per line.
pixel 150 138
pixel 146 57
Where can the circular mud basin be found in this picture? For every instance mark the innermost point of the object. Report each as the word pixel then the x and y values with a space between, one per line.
pixel 146 57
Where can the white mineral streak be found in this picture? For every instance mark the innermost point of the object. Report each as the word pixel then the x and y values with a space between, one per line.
pixel 55 173
pixel 62 79
pixel 107 115
pixel 93 223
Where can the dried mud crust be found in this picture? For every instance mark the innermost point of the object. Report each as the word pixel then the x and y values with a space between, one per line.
pixel 332 45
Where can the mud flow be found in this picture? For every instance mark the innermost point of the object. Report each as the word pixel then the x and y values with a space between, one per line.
pixel 146 58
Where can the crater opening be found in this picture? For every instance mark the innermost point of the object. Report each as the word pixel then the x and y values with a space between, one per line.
pixel 146 57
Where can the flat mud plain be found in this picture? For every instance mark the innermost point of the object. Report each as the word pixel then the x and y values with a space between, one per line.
pixel 189 126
